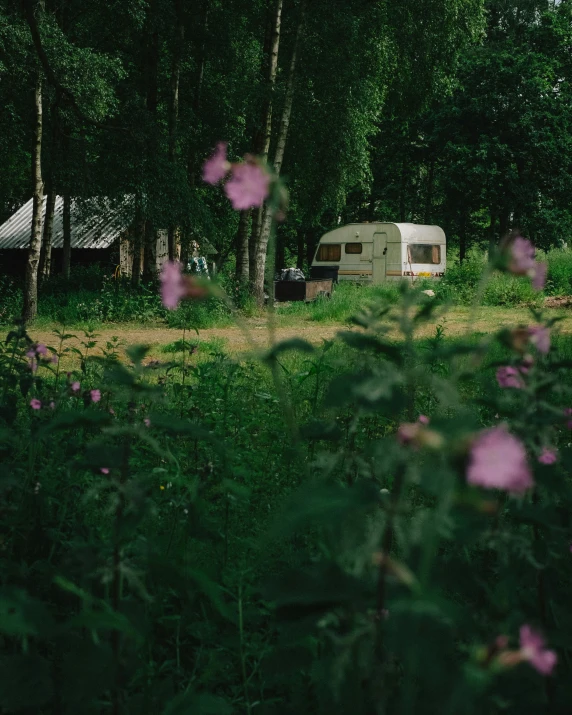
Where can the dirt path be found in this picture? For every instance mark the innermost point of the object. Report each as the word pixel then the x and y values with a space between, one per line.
pixel 235 340
pixel 231 339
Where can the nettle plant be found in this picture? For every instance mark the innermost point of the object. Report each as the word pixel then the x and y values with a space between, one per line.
pixel 420 564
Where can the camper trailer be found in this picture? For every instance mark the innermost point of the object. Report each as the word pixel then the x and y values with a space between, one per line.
pixel 379 252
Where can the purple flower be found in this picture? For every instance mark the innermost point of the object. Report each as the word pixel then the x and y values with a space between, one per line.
pixel 498 461
pixel 217 166
pixel 41 349
pixel 508 376
pixel 521 259
pixel 95 395
pixel 539 276
pixel 75 386
pixel 248 186
pixel 173 286
pixel 548 456
pixel 540 336
pixel 31 354
pixel 532 649
pixel 35 404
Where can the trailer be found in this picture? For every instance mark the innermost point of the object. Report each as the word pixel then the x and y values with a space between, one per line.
pixel 380 252
pixel 306 291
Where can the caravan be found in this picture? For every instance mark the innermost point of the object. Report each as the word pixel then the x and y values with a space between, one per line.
pixel 379 252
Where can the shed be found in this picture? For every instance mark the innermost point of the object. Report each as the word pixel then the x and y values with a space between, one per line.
pixel 97 224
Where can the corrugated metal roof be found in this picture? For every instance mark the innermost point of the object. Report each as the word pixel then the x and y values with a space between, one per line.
pixel 94 224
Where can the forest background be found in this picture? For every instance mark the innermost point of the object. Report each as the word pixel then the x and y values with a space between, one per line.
pixel 453 112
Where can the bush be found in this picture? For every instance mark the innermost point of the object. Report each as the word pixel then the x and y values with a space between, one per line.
pixel 329 530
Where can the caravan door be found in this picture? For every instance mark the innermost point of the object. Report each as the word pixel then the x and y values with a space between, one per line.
pixel 379 251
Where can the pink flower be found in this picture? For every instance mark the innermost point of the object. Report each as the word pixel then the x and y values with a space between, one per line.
pixel 521 256
pixel 35 404
pixel 548 456
pixel 407 432
pixel 533 651
pixel 95 395
pixel 526 364
pixel 248 186
pixel 147 422
pixel 539 276
pixel 423 419
pixel 173 286
pixel 31 354
pixel 540 336
pixel 508 376
pixel 104 470
pixel 41 349
pixel 217 166
pixel 498 461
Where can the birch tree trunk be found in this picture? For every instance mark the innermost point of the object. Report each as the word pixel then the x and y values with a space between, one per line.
pixel 66 265
pixel 261 141
pixel 144 241
pixel 174 107
pixel 46 251
pixel 242 257
pixel 30 309
pixel 262 243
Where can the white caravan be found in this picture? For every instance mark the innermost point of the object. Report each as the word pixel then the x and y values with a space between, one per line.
pixel 379 252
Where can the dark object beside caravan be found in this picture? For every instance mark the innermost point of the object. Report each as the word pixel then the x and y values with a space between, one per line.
pixel 320 272
pixel 302 290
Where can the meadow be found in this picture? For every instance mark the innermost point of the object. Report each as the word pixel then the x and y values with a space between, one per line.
pixel 243 520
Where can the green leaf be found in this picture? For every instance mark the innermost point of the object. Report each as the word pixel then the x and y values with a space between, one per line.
pixel 136 353
pixel 21 615
pixel 321 430
pixel 74 419
pixel 25 682
pixel 287 345
pixel 361 341
pixel 329 504
pixel 198 704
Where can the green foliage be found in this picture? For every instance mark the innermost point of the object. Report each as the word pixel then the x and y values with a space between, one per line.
pixel 220 536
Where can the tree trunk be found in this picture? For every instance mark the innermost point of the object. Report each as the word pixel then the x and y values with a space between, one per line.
pixel 261 143
pixel 66 261
pixel 463 236
pixel 402 192
pixel 142 242
pixel 242 246
pixel 46 251
pixel 174 107
pixel 262 244
pixel 429 194
pixel 192 164
pixel 138 248
pixel 491 231
pixel 30 309
pixel 301 249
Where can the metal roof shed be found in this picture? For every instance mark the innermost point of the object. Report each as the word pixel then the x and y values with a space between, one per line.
pixel 94 224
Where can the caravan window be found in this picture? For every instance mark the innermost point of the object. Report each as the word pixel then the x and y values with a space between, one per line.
pixel 424 253
pixel 329 252
pixel 354 248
